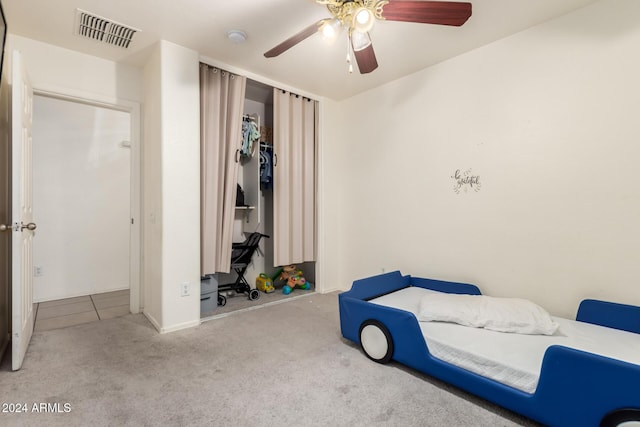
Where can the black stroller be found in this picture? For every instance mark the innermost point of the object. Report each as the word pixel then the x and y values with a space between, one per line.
pixel 241 254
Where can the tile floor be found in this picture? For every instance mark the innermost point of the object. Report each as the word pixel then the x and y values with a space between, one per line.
pixel 74 311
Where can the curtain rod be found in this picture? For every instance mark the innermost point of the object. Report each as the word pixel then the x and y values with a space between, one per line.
pixel 296 95
pixel 216 69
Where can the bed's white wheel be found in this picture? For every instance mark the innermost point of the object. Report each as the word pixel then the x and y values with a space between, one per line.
pixel 629 417
pixel 376 341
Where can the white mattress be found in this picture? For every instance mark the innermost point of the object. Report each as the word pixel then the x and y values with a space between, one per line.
pixel 511 359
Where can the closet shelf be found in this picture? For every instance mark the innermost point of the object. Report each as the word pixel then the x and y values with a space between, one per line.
pixel 246 212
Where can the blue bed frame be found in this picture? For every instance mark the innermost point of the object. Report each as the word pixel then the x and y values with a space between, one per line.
pixel 575 388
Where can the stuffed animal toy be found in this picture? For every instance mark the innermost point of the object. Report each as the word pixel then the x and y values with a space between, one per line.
pixel 288 271
pixel 294 279
pixel 295 282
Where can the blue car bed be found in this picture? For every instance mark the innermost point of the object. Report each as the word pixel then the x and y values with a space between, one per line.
pixel 559 372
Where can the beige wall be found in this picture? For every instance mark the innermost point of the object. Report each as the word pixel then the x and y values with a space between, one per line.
pixel 548 119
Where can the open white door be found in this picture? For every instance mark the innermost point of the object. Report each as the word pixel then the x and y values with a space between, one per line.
pixel 22 213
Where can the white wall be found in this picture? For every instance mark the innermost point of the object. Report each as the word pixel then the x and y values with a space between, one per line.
pixel 152 194
pixel 81 185
pixel 172 187
pixel 548 119
pixel 69 72
pixel 180 184
pixel 333 165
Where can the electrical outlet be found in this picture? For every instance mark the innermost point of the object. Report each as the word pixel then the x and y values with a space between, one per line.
pixel 185 289
pixel 37 271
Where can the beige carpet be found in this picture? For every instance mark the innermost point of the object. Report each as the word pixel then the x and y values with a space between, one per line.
pixel 281 365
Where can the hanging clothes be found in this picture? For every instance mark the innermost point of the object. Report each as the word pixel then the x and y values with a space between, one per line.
pixel 250 135
pixel 266 166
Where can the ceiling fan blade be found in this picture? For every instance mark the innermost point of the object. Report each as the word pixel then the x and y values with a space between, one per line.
pixel 366 59
pixel 427 12
pixel 294 40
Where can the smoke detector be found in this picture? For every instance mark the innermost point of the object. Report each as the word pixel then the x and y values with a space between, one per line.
pixel 237 36
pixel 103 30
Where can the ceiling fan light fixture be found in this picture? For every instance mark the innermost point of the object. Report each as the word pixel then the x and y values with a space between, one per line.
pixel 358 17
pixel 331 28
pixel 363 19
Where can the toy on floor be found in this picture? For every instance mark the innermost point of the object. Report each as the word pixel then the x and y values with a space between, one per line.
pixel 264 283
pixel 294 279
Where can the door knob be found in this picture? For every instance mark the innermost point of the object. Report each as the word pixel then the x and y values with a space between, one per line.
pixel 4 227
pixel 31 226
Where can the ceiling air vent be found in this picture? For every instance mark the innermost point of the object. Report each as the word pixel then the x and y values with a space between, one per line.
pixel 103 30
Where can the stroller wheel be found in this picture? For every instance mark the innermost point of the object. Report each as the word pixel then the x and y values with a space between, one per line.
pixel 254 294
pixel 222 300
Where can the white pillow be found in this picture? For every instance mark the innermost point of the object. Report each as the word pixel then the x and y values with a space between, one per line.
pixel 481 311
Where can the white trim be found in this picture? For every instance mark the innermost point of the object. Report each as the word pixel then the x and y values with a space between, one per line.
pixel 152 320
pixel 134 110
pixel 329 290
pixel 179 326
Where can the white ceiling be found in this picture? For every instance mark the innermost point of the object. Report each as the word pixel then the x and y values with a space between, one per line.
pixel 313 66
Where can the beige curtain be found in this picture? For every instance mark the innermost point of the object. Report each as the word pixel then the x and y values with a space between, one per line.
pixel 221 106
pixel 294 138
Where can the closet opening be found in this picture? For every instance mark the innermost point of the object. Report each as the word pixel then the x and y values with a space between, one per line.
pixel 256 213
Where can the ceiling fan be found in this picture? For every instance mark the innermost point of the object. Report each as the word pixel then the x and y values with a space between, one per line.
pixel 358 17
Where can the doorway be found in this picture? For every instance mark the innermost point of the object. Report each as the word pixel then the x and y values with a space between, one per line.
pixel 85 189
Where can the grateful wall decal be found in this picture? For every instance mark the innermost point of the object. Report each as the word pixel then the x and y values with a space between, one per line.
pixel 465 181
